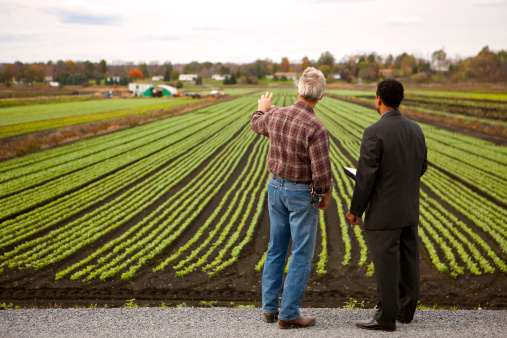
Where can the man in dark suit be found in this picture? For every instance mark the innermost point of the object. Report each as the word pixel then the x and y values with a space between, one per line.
pixel 392 159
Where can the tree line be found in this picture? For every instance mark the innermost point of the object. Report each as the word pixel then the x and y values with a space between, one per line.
pixel 486 66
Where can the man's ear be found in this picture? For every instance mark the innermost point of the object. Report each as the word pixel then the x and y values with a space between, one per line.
pixel 378 101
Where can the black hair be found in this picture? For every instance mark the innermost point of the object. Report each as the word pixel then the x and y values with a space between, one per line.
pixel 391 92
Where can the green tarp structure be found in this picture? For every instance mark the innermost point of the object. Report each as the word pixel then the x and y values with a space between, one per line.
pixel 165 92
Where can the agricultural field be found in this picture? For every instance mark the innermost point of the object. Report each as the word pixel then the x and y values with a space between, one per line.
pixel 36 117
pixel 487 107
pixel 175 210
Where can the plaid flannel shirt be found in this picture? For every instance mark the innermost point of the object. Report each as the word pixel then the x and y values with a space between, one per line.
pixel 298 145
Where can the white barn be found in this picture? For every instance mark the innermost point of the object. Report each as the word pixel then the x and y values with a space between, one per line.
pixel 188 77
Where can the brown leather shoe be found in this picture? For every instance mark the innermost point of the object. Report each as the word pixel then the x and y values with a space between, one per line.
pixel 296 323
pixel 271 317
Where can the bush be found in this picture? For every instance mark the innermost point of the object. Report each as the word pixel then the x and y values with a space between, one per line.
pixel 78 79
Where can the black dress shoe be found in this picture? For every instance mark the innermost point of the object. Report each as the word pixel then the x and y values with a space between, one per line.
pixel 372 324
pixel 403 320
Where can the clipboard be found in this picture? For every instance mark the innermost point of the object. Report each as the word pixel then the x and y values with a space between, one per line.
pixel 351 172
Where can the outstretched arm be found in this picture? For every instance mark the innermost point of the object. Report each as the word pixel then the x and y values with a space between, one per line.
pixel 258 121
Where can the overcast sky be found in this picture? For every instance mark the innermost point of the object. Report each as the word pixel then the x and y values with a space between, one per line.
pixel 243 31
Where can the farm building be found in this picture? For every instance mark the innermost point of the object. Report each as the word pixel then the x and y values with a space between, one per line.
pixel 188 77
pixel 157 78
pixel 218 77
pixel 160 90
pixel 288 75
pixel 139 88
pixel 387 73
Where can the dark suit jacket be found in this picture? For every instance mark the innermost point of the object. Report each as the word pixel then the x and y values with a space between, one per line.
pixel 392 160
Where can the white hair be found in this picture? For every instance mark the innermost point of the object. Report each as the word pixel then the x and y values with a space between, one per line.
pixel 312 84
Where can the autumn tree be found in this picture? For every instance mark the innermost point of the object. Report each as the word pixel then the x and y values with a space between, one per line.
pixel 168 70
pixel 305 63
pixel 285 65
pixel 88 69
pixel 408 65
pixel 135 74
pixel 193 67
pixel 326 58
pixel 326 70
pixel 144 69
pixel 34 73
pixel 175 75
pixel 8 74
pixel 102 68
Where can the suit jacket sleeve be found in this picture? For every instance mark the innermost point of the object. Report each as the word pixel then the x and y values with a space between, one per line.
pixel 425 162
pixel 367 167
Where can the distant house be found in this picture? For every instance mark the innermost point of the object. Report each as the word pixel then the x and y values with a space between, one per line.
pixel 218 77
pixel 54 84
pixel 335 76
pixel 157 78
pixel 116 79
pixel 387 73
pixel 188 77
pixel 288 75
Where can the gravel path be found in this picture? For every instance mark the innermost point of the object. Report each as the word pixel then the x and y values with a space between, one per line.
pixel 228 322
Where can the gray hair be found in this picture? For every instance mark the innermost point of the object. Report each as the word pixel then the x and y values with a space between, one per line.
pixel 312 84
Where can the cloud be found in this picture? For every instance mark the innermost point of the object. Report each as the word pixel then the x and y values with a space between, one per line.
pixel 208 29
pixel 85 13
pixel 339 1
pixel 16 37
pixel 404 20
pixel 156 37
pixel 73 17
pixel 490 3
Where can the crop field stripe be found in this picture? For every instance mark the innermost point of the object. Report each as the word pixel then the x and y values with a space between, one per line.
pixel 74 229
pixel 238 188
pixel 92 145
pixel 163 211
pixel 211 219
pixel 255 185
pixel 56 212
pixel 92 150
pixel 53 189
pixel 97 144
pixel 24 128
pixel 323 256
pixel 177 204
pixel 48 111
pixel 123 150
pixel 70 240
pixel 455 237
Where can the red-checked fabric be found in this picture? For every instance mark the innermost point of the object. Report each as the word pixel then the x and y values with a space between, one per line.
pixel 298 145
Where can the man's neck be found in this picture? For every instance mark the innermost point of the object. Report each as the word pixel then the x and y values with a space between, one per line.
pixel 384 109
pixel 311 103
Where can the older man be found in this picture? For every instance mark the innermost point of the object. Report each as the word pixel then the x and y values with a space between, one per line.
pixel 299 161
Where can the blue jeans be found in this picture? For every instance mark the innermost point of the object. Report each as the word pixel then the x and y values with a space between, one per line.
pixel 294 213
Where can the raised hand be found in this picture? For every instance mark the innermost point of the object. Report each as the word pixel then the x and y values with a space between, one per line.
pixel 264 103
